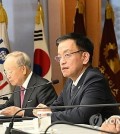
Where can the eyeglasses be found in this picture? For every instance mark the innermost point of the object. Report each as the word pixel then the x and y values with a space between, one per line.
pixel 67 55
pixel 10 72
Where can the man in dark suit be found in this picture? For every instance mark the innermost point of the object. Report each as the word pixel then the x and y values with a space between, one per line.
pixel 90 87
pixel 17 68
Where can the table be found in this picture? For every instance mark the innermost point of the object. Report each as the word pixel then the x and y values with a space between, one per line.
pixel 27 126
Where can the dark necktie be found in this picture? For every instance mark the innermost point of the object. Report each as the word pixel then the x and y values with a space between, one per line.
pixel 22 95
pixel 72 90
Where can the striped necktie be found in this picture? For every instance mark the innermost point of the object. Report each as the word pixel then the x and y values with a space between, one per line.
pixel 72 90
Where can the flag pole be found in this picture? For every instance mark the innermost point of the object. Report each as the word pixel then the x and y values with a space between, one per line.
pixel 77 4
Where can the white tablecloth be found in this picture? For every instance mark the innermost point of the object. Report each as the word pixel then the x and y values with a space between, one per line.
pixel 27 126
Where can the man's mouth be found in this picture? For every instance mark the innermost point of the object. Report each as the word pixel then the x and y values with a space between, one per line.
pixel 64 68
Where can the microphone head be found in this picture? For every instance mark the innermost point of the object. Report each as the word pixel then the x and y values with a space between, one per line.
pixel 5 98
pixel 1 40
pixel 55 81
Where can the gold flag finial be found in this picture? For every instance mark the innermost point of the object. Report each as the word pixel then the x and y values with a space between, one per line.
pixel 80 6
pixel 109 11
pixel 39 14
pixel 3 15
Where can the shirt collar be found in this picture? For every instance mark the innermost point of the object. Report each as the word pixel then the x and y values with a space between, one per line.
pixel 25 84
pixel 77 80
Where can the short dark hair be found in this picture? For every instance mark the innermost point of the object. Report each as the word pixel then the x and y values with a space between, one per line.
pixel 81 41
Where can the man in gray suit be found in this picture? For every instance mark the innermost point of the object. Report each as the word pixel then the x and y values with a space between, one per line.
pixel 90 87
pixel 17 68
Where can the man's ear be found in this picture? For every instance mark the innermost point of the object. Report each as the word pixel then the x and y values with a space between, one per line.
pixel 86 57
pixel 24 70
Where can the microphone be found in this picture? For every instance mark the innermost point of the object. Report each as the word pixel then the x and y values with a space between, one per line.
pixel 1 40
pixel 48 83
pixel 4 98
pixel 8 130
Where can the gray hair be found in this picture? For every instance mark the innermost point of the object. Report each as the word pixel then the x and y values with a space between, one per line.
pixel 21 58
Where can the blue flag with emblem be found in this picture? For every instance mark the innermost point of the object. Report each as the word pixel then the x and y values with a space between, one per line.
pixel 4 50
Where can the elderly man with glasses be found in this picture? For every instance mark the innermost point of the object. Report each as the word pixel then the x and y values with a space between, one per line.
pixel 85 85
pixel 28 92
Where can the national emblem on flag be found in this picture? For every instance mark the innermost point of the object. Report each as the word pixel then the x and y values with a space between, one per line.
pixel 4 50
pixel 109 63
pixel 42 65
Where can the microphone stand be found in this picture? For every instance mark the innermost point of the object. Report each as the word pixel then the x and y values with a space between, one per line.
pixel 8 130
pixel 90 105
pixel 80 126
pixel 45 84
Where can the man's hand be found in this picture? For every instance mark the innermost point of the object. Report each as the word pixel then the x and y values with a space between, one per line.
pixel 43 111
pixel 112 125
pixel 10 111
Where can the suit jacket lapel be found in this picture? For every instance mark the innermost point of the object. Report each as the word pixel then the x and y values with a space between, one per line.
pixel 27 96
pixel 29 91
pixel 17 97
pixel 80 84
pixel 68 91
